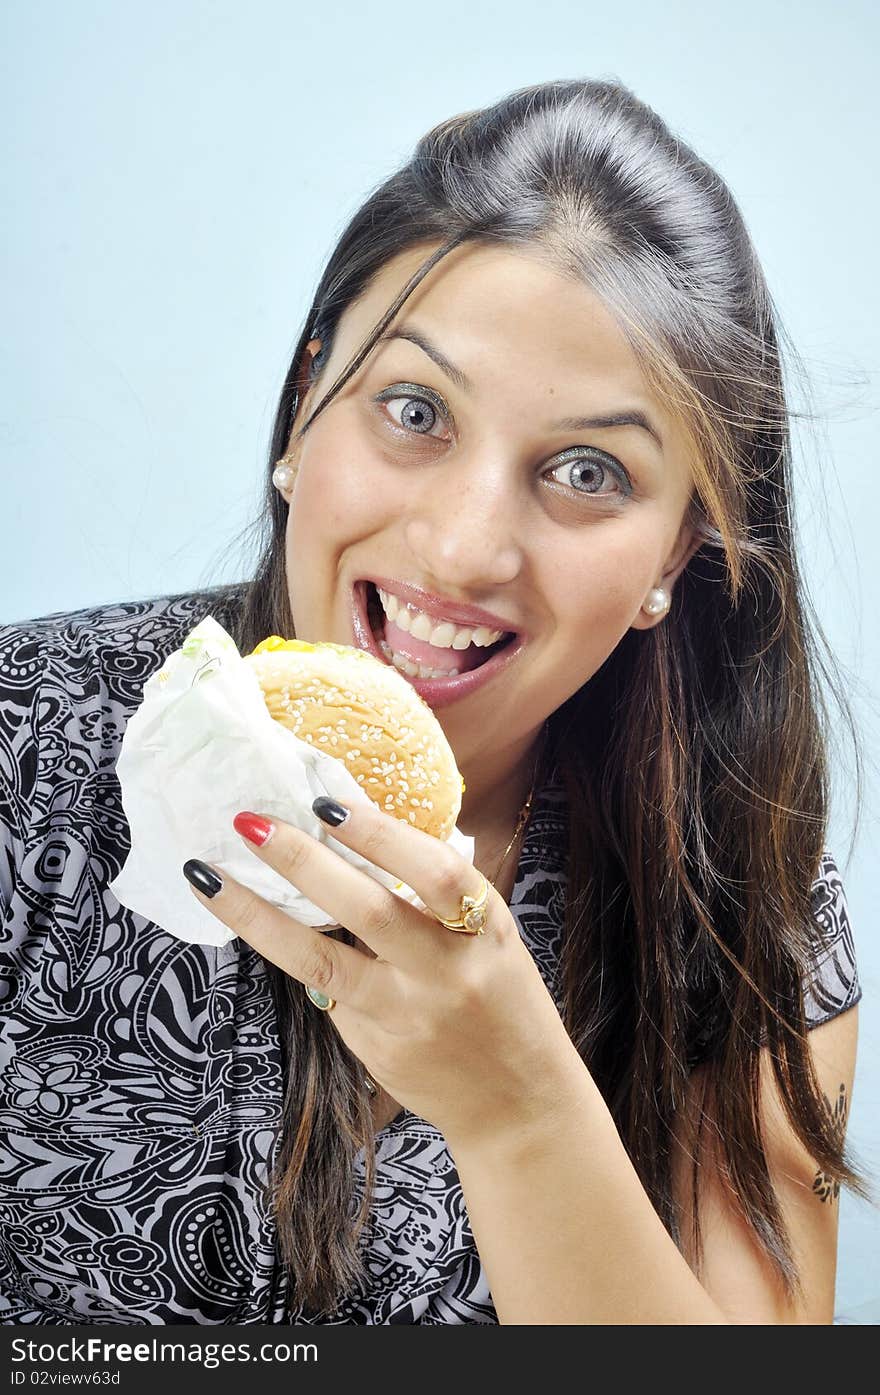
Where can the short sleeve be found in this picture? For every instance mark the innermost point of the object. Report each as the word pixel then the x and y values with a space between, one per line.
pixel 833 985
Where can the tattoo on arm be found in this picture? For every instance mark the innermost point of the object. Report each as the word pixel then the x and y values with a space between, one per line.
pixel 828 1188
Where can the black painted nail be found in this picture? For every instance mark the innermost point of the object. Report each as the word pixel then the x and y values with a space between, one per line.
pixel 201 876
pixel 329 811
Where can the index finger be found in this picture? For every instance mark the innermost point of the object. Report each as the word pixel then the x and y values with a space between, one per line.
pixel 315 960
pixel 438 874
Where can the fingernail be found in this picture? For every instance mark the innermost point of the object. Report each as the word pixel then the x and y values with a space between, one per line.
pixel 202 877
pixel 330 812
pixel 252 827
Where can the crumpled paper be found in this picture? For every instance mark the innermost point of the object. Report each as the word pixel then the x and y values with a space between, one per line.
pixel 200 748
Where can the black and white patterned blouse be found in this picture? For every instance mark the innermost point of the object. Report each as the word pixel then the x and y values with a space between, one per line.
pixel 140 1076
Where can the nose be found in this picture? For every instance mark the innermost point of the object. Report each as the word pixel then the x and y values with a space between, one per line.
pixel 465 531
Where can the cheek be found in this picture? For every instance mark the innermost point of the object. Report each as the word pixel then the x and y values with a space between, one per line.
pixel 612 571
pixel 616 593
pixel 335 502
pixel 336 505
pixel 603 585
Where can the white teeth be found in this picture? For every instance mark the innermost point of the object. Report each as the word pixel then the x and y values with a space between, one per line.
pixel 442 634
pixel 414 670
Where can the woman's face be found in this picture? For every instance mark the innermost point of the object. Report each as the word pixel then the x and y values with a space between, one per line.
pixel 471 485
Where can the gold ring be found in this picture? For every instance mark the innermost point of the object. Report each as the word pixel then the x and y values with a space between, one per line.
pixel 321 1000
pixel 471 919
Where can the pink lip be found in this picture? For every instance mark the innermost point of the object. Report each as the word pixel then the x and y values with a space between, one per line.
pixel 441 609
pixel 437 692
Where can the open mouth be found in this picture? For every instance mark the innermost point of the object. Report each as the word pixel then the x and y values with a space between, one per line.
pixel 418 658
pixel 439 674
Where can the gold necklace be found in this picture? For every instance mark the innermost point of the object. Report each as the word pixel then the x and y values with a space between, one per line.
pixel 524 811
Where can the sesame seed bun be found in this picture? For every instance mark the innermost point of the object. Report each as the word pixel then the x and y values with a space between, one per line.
pixel 349 704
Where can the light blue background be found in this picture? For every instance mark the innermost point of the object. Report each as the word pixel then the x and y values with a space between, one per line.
pixel 175 175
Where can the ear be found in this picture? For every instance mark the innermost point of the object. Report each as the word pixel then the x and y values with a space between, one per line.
pixel 688 540
pixel 305 391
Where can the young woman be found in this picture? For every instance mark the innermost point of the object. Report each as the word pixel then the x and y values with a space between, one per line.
pixel 535 429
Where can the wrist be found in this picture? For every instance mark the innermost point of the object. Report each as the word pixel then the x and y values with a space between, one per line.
pixel 556 1099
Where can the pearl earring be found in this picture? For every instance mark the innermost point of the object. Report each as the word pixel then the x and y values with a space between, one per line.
pixel 283 476
pixel 658 601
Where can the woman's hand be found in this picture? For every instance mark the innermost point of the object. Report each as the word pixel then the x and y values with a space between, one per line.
pixel 457 1027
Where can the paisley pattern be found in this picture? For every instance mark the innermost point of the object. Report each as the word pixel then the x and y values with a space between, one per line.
pixel 834 986
pixel 140 1076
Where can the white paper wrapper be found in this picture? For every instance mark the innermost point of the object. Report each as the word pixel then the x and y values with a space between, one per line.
pixel 201 747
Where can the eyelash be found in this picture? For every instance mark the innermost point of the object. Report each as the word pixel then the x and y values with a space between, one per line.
pixel 573 453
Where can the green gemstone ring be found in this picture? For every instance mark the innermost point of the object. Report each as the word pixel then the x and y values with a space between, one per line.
pixel 321 1000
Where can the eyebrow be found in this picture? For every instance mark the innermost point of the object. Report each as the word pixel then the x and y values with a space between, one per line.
pixel 627 416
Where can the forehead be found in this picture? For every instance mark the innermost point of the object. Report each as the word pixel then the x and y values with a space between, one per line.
pixel 503 312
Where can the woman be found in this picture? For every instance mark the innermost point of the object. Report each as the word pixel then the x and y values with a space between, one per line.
pixel 539 392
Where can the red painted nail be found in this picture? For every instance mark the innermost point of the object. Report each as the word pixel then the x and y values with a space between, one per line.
pixel 252 827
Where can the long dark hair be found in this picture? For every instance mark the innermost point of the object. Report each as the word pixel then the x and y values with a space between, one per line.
pixel 695 760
